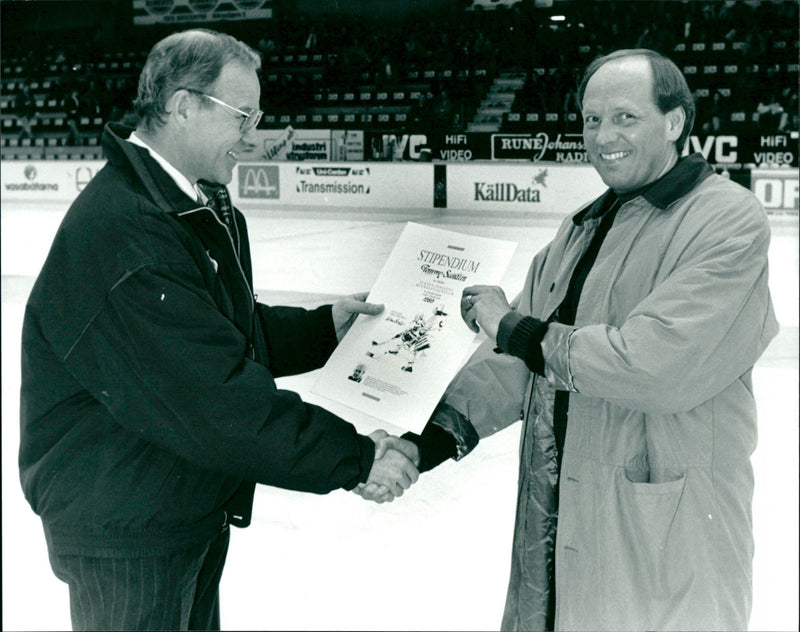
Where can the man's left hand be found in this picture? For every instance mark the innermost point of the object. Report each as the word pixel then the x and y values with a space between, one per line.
pixel 345 310
pixel 483 307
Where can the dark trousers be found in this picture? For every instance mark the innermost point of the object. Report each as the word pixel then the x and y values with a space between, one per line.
pixel 177 591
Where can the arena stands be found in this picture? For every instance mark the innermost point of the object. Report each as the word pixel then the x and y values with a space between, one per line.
pixel 511 69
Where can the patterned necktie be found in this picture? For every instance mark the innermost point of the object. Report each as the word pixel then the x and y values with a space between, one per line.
pixel 219 201
pixel 224 206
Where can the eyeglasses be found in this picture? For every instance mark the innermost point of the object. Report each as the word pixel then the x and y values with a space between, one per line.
pixel 251 117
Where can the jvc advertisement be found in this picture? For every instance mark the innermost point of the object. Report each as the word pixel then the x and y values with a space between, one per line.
pixel 539 147
pixel 733 151
pixel 773 150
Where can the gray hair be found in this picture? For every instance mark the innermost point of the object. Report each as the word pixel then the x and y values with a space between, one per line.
pixel 670 89
pixel 189 59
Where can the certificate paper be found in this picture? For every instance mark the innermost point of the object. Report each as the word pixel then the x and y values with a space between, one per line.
pixel 395 366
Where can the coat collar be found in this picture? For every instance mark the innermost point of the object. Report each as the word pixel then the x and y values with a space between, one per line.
pixel 160 186
pixel 683 177
pixel 181 180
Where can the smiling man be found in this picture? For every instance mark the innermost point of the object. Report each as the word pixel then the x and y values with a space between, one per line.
pixel 628 356
pixel 632 139
pixel 148 402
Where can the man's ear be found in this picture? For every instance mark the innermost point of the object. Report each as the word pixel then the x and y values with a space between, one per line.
pixel 180 106
pixel 676 119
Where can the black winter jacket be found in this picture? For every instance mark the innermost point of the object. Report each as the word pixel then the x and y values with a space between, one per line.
pixel 149 408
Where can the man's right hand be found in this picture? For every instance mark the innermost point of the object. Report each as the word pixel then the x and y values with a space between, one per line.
pixel 394 469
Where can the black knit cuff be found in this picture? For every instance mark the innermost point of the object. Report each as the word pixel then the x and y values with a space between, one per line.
pixel 435 444
pixel 525 342
pixel 506 327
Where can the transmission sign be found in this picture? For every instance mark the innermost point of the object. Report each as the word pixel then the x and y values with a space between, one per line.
pixel 147 12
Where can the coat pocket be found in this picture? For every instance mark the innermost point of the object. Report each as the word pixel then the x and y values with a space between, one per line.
pixel 647 514
pixel 650 507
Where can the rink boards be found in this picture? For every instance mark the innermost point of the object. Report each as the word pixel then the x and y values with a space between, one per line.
pixel 528 189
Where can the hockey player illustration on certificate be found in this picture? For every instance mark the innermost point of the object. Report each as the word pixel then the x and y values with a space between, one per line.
pixel 396 365
pixel 412 341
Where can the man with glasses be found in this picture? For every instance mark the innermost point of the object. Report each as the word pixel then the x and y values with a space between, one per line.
pixel 149 408
pixel 250 116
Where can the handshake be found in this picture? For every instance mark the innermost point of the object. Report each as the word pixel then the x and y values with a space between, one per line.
pixel 393 471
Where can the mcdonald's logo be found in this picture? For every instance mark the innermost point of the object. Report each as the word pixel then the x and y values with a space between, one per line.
pixel 259 181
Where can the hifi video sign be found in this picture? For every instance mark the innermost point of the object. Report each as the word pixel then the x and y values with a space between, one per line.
pixel 736 151
pixel 729 150
pixel 470 146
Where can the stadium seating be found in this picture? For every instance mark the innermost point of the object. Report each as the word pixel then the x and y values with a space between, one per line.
pixel 504 70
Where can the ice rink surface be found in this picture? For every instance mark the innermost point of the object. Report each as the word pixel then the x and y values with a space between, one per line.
pixel 437 558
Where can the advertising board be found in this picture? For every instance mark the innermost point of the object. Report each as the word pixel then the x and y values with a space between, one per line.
pixel 531 188
pixel 735 151
pixel 298 145
pixel 526 188
pixel 337 184
pixel 776 189
pixel 730 150
pixel 146 12
pixel 46 180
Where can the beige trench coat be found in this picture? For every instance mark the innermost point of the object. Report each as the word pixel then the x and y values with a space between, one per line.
pixel 654 525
